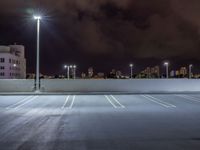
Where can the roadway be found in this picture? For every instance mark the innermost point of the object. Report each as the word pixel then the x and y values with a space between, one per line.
pixel 100 122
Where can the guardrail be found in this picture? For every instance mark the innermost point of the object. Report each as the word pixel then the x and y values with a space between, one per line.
pixel 123 86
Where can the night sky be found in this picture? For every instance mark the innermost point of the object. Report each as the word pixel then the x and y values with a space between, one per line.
pixel 104 34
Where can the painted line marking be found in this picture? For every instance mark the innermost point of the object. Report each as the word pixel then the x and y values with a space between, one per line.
pixel 66 100
pixel 189 98
pixel 70 107
pixel 28 101
pixel 161 101
pixel 21 101
pixel 157 102
pixel 110 101
pixel 122 106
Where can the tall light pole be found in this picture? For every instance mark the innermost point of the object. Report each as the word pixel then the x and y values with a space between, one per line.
pixel 166 64
pixel 15 65
pixel 131 67
pixel 190 71
pixel 74 71
pixel 67 67
pixel 73 67
pixel 38 18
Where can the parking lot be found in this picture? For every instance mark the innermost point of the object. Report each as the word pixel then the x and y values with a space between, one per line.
pixel 100 122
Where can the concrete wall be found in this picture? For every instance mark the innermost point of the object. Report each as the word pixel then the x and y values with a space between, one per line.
pixel 134 86
pixel 15 85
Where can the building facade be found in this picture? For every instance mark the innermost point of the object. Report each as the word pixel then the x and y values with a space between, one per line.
pixel 12 62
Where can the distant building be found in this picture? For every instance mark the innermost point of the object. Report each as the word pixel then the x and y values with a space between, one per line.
pixel 30 76
pixel 100 75
pixel 150 72
pixel 177 73
pixel 12 62
pixel 155 72
pixel 196 76
pixel 172 73
pixel 90 72
pixel 118 74
pixel 112 74
pixel 83 75
pixel 183 71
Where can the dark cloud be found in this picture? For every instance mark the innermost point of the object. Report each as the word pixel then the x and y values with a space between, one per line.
pixel 118 28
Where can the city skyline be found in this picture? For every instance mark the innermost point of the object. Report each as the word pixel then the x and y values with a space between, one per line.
pixel 151 72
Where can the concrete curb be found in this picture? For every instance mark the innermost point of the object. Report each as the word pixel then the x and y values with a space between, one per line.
pixel 93 93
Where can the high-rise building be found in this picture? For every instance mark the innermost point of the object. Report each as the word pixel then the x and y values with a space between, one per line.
pixel 177 73
pixel 90 72
pixel 100 75
pixel 12 62
pixel 83 75
pixel 150 72
pixel 112 74
pixel 172 73
pixel 183 71
pixel 118 74
pixel 147 72
pixel 155 72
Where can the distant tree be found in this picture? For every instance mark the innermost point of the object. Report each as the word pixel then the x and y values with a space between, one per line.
pixel 56 76
pixel 27 76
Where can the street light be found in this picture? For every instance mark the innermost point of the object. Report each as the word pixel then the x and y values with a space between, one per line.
pixel 15 65
pixel 74 71
pixel 167 69
pixel 38 18
pixel 190 71
pixel 131 67
pixel 67 67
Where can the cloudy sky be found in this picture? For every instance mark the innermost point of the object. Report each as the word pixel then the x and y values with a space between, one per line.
pixel 103 33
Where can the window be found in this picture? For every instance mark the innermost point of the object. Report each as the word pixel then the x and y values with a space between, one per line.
pixel 9 60
pixel 2 60
pixel 2 67
pixel 2 73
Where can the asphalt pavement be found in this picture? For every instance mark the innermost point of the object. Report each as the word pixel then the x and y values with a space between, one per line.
pixel 100 122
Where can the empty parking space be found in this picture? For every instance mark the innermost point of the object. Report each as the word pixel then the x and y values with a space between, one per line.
pixel 91 101
pixel 145 121
pixel 180 100
pixel 146 101
pixel 5 101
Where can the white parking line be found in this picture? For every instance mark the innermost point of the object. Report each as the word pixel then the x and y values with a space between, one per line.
pixel 70 107
pixel 189 98
pixel 66 100
pixel 166 103
pixel 110 101
pixel 21 101
pixel 122 106
pixel 157 101
pixel 28 101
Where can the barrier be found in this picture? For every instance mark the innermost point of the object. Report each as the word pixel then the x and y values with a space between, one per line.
pixel 128 86
pixel 123 86
pixel 16 85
